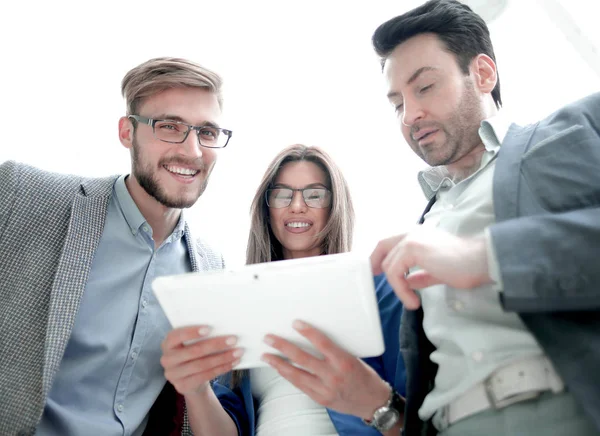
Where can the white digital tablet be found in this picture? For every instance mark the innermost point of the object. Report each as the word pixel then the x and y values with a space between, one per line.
pixel 335 293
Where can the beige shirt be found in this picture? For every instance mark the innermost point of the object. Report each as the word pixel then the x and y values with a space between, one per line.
pixel 472 334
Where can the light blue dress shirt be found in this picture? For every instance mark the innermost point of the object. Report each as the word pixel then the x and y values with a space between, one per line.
pixel 111 374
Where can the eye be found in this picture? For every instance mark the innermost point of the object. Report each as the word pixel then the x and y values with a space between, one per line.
pixel 169 126
pixel 209 133
pixel 281 193
pixel 425 89
pixel 399 108
pixel 314 194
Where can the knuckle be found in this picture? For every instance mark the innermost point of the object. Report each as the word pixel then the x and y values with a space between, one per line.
pixel 347 365
pixel 327 400
pixel 302 359
pixel 336 381
pixel 321 342
pixel 164 361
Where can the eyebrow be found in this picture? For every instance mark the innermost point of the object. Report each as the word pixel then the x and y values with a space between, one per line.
pixel 412 78
pixel 312 185
pixel 171 117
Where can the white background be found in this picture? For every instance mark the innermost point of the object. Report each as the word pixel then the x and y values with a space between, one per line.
pixel 295 72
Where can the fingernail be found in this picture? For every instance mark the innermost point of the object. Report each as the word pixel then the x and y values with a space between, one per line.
pixel 265 359
pixel 238 352
pixel 299 325
pixel 268 340
pixel 203 331
pixel 235 363
pixel 231 340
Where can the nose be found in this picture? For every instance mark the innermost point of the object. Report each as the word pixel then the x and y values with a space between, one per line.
pixel 191 146
pixel 298 204
pixel 413 112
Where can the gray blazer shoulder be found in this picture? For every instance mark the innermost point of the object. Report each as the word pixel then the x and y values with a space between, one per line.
pixel 19 180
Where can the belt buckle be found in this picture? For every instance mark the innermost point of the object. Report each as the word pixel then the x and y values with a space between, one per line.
pixel 497 403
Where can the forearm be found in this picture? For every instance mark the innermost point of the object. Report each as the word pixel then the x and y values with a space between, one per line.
pixel 206 415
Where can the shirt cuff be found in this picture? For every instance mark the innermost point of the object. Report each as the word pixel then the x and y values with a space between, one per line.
pixel 493 266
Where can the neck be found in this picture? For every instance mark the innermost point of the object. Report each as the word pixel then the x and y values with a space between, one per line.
pixel 161 219
pixel 470 162
pixel 466 165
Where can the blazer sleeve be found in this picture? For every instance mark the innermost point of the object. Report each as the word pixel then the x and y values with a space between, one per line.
pixel 548 256
pixel 549 263
pixel 233 401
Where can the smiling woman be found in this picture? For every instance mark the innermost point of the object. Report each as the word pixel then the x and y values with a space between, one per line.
pixel 302 208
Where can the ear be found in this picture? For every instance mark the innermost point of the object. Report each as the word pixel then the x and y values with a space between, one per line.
pixel 126 132
pixel 484 72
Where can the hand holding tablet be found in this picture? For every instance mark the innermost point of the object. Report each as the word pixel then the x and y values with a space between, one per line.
pixel 334 293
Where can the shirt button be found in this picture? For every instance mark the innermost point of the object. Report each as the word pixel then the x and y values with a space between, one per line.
pixel 450 207
pixel 477 356
pixel 458 305
pixel 144 303
pixel 145 228
pixel 133 355
pixel 120 407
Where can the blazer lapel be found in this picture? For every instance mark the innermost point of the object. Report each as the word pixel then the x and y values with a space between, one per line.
pixel 195 257
pixel 86 224
pixel 506 173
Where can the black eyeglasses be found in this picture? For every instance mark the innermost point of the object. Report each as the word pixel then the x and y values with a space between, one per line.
pixel 176 132
pixel 318 198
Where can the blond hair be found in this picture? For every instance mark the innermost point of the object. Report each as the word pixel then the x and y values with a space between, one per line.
pixel 160 74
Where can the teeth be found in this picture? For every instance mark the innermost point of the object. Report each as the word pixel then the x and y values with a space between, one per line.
pixel 182 171
pixel 297 225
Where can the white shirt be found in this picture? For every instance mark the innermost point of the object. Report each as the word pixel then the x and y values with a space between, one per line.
pixel 472 333
pixel 285 410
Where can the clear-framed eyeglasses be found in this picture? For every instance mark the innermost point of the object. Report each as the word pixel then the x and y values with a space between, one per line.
pixel 318 198
pixel 176 132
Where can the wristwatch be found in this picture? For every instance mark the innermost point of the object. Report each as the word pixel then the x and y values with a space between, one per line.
pixel 388 415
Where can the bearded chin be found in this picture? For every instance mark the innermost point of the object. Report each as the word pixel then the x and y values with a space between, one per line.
pixel 146 178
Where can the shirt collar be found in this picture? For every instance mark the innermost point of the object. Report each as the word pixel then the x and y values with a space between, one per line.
pixel 492 132
pixel 132 214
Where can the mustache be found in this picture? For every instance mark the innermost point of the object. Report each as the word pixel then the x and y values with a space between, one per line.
pixel 197 164
pixel 416 127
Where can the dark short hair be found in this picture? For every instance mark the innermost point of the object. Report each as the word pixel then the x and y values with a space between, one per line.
pixel 462 31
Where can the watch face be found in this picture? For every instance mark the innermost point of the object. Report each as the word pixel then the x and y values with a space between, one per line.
pixel 385 418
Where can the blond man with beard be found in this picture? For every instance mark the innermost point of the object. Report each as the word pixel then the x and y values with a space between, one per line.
pixel 81 330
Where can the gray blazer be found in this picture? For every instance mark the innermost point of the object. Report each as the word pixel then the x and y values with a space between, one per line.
pixel 50 226
pixel 547 239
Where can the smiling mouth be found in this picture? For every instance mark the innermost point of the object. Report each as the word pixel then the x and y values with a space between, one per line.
pixel 298 225
pixel 180 171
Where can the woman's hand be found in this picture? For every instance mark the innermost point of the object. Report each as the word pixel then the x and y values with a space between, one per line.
pixel 189 368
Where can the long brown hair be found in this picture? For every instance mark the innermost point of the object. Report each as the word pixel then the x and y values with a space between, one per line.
pixel 336 237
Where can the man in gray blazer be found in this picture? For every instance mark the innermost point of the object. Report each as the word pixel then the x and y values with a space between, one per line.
pixel 501 336
pixel 80 330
